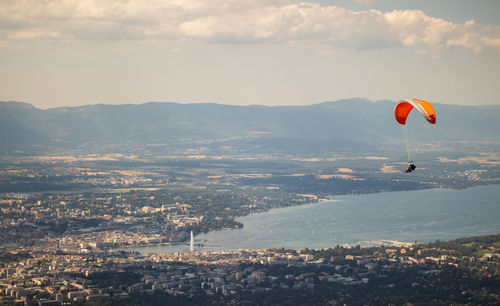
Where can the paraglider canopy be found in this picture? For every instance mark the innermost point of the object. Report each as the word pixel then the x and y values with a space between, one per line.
pixel 404 107
pixel 401 112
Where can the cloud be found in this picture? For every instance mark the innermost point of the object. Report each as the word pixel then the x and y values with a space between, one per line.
pixel 238 21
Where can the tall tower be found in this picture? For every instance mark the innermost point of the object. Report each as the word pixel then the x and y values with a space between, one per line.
pixel 191 244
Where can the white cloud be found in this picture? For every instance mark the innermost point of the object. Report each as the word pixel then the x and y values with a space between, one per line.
pixel 242 21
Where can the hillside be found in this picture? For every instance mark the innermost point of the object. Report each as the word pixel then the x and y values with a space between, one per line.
pixel 351 125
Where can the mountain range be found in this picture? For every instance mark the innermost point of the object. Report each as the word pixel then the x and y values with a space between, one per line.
pixel 342 126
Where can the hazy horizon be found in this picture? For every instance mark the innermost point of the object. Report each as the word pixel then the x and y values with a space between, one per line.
pixel 228 104
pixel 286 52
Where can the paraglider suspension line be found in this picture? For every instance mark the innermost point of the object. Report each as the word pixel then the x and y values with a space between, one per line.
pixel 408 136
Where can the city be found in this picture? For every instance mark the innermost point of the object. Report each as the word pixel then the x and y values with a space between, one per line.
pixel 430 272
pixel 76 246
pixel 264 152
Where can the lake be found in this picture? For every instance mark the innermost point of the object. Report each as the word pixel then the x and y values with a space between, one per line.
pixel 370 219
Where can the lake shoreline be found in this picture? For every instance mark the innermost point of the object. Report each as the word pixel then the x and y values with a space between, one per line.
pixel 415 227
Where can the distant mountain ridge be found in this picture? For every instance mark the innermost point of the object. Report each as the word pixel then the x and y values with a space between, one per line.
pixel 349 124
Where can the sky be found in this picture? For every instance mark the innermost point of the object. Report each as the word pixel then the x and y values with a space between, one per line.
pixel 57 53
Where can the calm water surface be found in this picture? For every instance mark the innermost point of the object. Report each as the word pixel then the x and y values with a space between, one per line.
pixel 407 216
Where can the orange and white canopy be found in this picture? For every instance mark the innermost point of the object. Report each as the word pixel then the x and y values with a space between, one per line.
pixel 404 107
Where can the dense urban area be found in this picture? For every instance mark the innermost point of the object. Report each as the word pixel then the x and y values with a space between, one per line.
pixel 67 223
pixel 464 271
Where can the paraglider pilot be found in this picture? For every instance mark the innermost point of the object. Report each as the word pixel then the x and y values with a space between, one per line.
pixel 411 167
pixel 401 112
